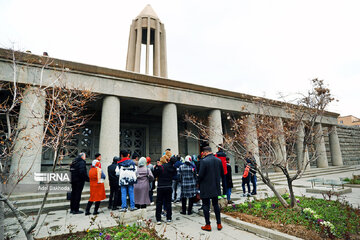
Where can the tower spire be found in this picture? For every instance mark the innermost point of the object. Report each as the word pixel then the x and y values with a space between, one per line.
pixel 147 29
pixel 148 11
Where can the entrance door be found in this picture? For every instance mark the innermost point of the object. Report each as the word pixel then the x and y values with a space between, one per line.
pixel 133 140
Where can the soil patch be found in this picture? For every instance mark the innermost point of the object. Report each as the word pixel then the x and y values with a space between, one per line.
pixel 291 229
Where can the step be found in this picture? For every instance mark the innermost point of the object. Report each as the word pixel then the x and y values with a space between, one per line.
pixel 307 174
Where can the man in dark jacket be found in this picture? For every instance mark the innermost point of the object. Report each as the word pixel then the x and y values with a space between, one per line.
pixel 176 185
pixel 78 177
pixel 251 160
pixel 114 185
pixel 165 174
pixel 210 174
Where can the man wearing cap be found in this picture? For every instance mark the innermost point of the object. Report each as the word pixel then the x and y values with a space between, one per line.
pixel 210 174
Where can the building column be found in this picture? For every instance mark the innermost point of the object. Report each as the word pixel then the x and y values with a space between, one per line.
pixel 109 144
pixel 28 147
pixel 320 149
pixel 252 144
pixel 301 155
pixel 280 145
pixel 230 155
pixel 215 127
pixel 169 136
pixel 138 45
pixel 156 49
pixel 163 56
pixel 131 48
pixel 335 149
pixel 147 46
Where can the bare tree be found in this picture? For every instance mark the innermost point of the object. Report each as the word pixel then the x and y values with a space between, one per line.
pixel 65 114
pixel 282 143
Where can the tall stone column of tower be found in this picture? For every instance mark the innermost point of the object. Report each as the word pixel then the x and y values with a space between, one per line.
pixel 147 29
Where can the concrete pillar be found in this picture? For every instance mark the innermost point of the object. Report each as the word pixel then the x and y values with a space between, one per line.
pixel 170 138
pixel 138 45
pixel 230 155
pixel 320 149
pixel 28 147
pixel 156 55
pixel 216 132
pixel 147 45
pixel 335 150
pixel 163 58
pixel 109 144
pixel 301 155
pixel 131 48
pixel 252 144
pixel 280 144
pixel 232 162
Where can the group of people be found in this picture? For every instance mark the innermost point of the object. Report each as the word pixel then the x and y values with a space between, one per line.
pixel 177 179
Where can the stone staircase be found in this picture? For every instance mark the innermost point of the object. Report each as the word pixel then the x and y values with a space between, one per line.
pixel 30 203
pixel 279 177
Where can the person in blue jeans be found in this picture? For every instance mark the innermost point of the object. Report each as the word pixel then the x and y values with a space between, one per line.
pixel 252 162
pixel 126 170
pixel 229 181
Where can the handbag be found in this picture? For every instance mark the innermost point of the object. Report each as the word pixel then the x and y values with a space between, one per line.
pixel 68 196
pixel 197 197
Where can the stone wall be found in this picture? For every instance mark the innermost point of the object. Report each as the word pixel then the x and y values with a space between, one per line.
pixel 349 138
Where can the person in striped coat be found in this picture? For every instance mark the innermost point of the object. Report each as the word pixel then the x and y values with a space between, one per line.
pixel 187 174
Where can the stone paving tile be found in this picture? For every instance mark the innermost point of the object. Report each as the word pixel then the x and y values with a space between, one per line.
pixel 13 229
pixel 188 227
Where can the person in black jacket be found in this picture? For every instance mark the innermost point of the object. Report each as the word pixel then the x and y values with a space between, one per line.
pixel 229 181
pixel 253 166
pixel 79 176
pixel 114 185
pixel 164 173
pixel 210 174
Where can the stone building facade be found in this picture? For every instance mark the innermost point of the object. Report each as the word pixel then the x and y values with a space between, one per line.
pixel 140 112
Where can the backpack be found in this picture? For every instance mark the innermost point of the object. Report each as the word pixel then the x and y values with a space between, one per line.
pixel 246 171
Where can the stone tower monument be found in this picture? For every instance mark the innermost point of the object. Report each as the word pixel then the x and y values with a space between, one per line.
pixel 147 29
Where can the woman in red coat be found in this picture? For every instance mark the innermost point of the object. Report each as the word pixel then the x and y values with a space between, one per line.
pixel 97 189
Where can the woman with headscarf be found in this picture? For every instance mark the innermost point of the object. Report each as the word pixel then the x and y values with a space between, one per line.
pixel 97 189
pixel 187 173
pixel 141 188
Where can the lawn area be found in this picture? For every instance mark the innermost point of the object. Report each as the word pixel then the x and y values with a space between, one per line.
pixel 113 233
pixel 327 219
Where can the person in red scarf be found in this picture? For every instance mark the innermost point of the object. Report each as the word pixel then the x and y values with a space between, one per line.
pixel 97 189
pixel 222 156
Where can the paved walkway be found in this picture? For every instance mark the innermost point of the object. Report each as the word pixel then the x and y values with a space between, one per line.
pixel 188 227
pixel 182 227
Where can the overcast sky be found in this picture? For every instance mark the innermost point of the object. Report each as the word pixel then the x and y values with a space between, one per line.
pixel 258 47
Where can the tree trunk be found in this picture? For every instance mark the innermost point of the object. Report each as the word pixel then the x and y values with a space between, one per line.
pixel 293 203
pixel 271 186
pixel 18 217
pixel 2 218
pixel 279 197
